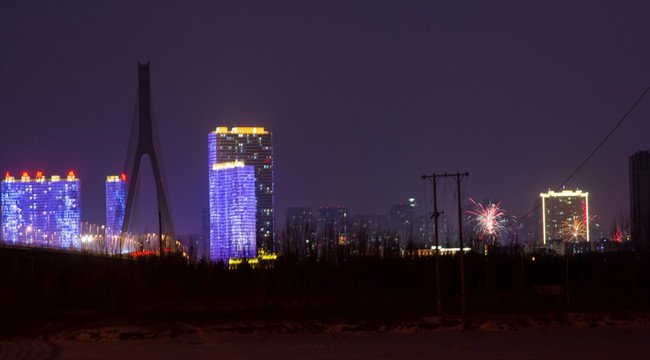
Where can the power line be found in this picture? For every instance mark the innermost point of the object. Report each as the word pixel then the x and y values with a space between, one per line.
pixel 605 139
pixel 599 145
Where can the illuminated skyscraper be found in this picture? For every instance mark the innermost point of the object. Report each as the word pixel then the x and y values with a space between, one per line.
pixel 253 146
pixel 42 212
pixel 640 199
pixel 115 206
pixel 565 216
pixel 232 211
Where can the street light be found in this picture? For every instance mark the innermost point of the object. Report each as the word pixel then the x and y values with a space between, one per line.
pixel 28 229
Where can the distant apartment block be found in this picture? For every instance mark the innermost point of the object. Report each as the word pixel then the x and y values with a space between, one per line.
pixel 301 228
pixel 565 216
pixel 40 211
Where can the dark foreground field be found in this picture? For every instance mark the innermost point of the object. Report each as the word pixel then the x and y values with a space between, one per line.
pixel 567 336
pixel 43 290
pixel 568 343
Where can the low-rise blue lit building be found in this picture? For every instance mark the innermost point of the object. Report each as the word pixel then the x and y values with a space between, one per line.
pixel 232 211
pixel 41 212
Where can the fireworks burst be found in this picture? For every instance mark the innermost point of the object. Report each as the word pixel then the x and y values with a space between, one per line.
pixel 575 229
pixel 618 235
pixel 489 219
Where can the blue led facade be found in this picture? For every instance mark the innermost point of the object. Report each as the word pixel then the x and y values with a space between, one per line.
pixel 253 146
pixel 115 208
pixel 232 211
pixel 41 212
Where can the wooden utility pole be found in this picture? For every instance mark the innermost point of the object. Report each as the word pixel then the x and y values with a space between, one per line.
pixel 434 179
pixel 462 250
pixel 435 215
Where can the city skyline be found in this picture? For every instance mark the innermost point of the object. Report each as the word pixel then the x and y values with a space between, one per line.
pixel 362 98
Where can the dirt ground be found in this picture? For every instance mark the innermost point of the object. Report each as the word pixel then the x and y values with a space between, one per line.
pixel 487 340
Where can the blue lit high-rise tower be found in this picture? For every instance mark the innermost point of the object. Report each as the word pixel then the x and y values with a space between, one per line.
pixel 115 208
pixel 42 212
pixel 232 211
pixel 253 146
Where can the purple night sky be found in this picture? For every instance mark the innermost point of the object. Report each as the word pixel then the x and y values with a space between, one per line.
pixel 362 97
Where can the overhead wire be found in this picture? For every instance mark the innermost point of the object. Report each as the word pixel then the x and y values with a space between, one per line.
pixel 629 111
pixel 605 139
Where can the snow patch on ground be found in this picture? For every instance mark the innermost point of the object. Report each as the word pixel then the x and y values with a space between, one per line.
pixel 195 333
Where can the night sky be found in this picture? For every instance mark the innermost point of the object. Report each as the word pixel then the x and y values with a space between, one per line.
pixel 362 97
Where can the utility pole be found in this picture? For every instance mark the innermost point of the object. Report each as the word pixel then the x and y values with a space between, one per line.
pixel 434 179
pixel 435 215
pixel 462 251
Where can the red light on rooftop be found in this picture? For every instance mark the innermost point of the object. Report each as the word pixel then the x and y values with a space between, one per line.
pixel 25 174
pixel 7 175
pixel 39 174
pixel 123 177
pixel 71 173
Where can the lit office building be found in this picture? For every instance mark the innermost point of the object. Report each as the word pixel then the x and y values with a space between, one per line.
pixel 565 216
pixel 253 146
pixel 232 211
pixel 115 208
pixel 41 212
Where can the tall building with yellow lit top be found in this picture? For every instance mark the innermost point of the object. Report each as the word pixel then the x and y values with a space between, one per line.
pixel 565 216
pixel 115 208
pixel 252 146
